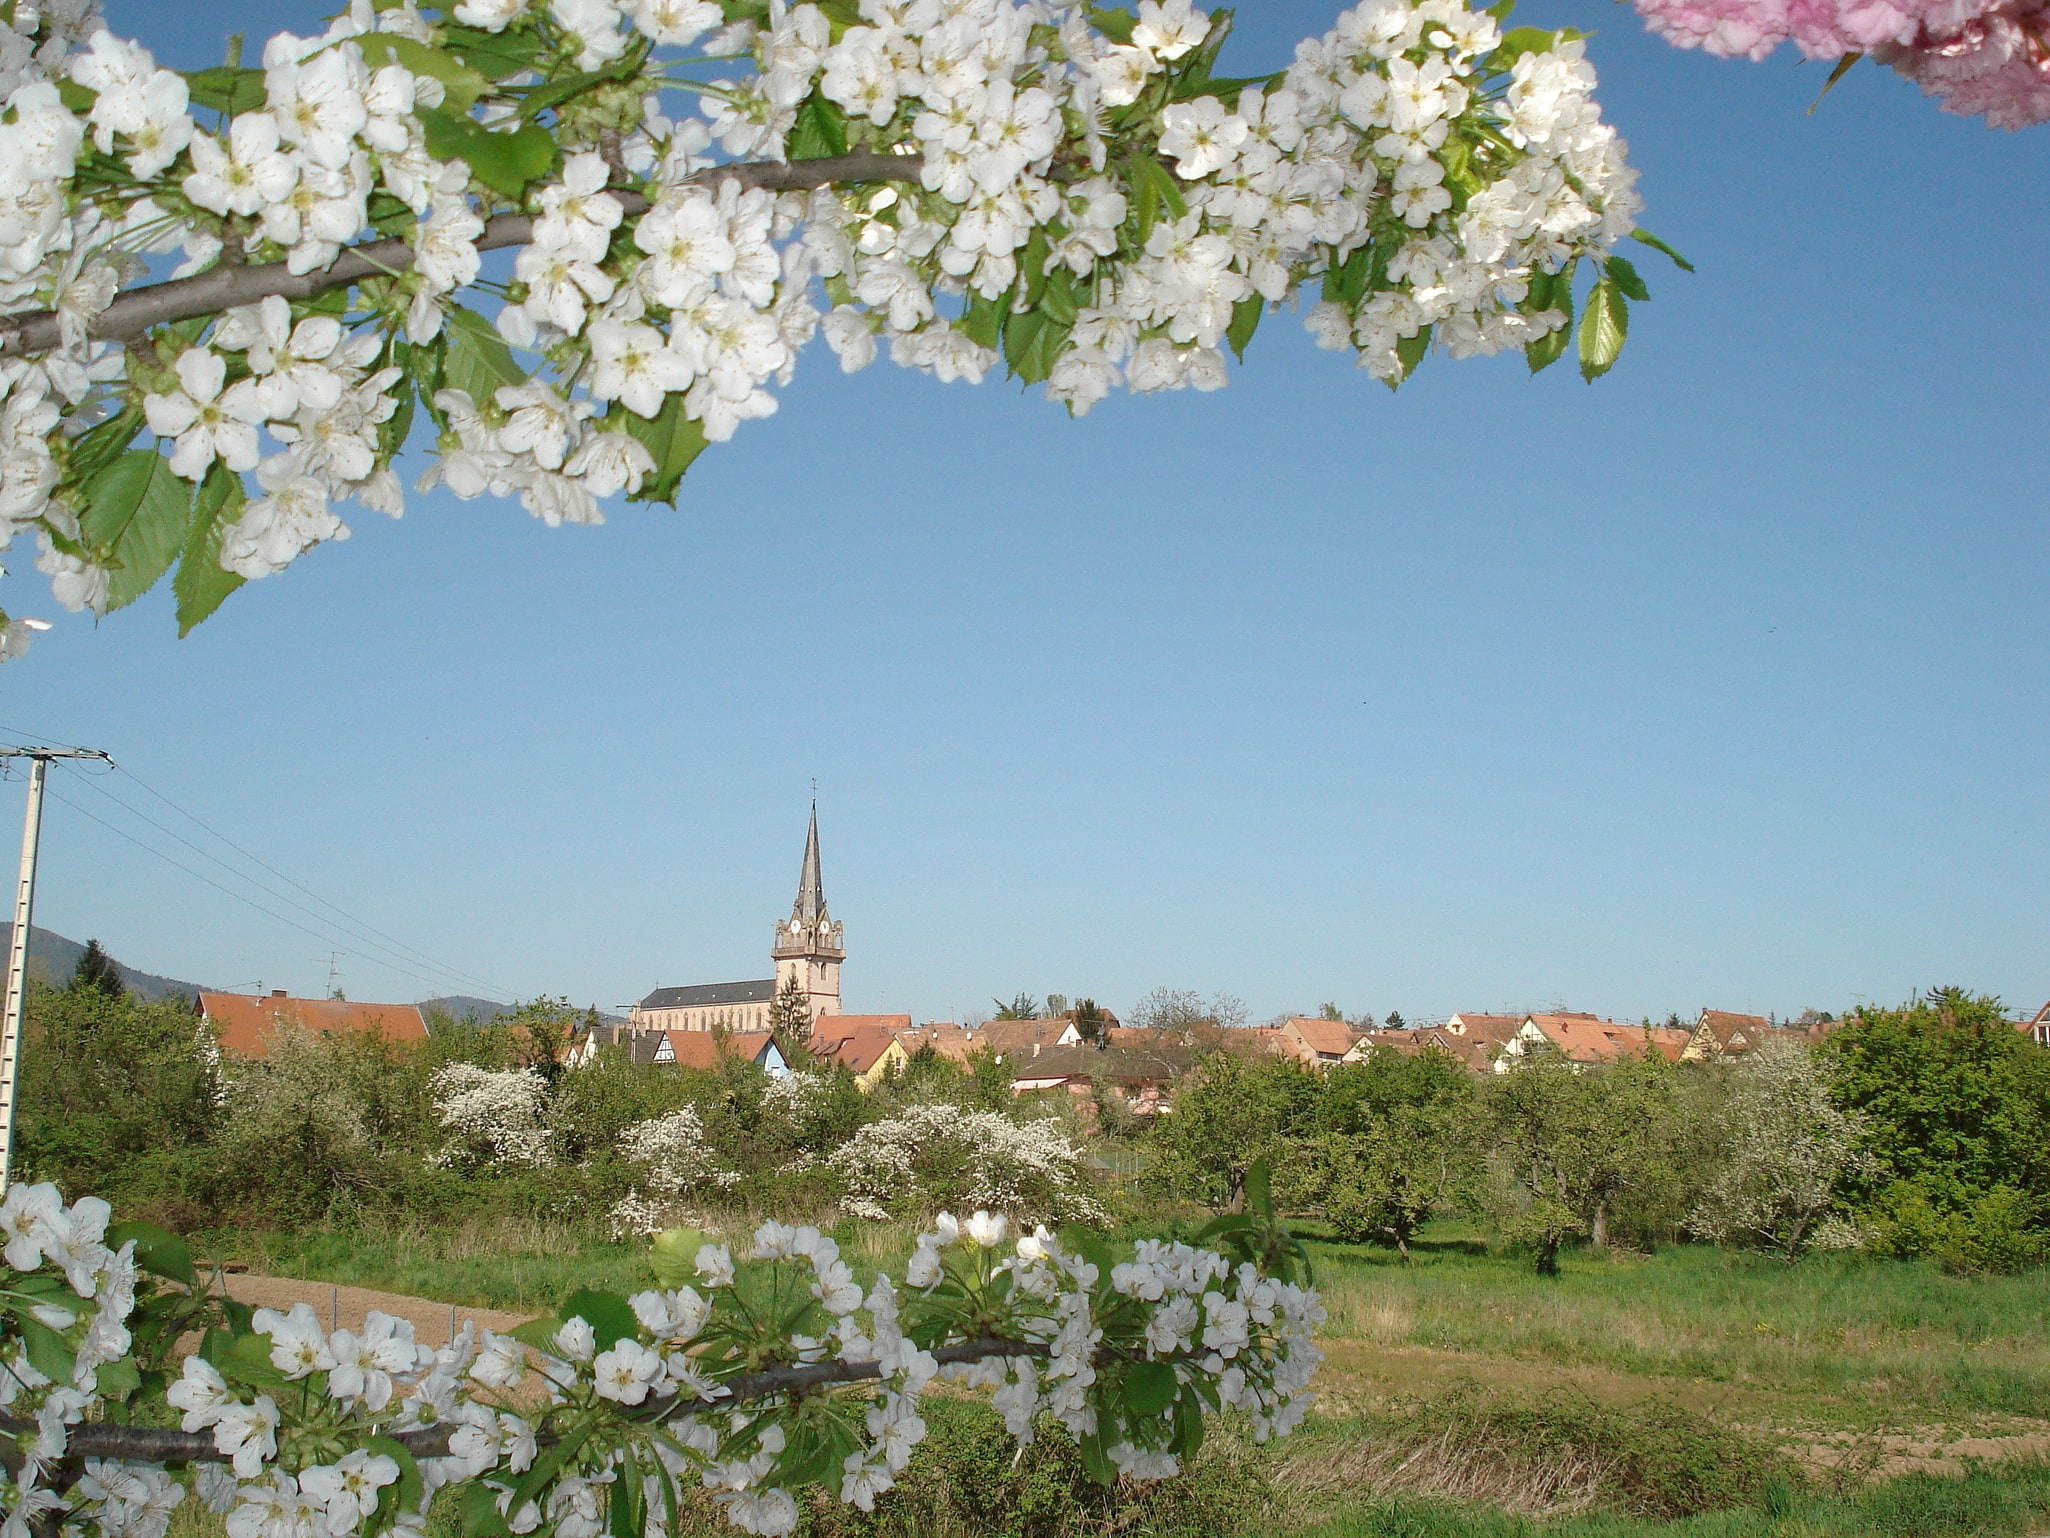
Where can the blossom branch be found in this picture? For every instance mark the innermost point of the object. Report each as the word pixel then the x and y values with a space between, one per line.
pixel 229 285
pixel 163 1444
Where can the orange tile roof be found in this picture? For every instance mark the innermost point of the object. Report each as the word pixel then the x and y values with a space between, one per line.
pixel 1589 1039
pixel 861 1048
pixel 1491 1029
pixel 840 1027
pixel 1326 1038
pixel 245 1022
pixel 949 1040
pixel 704 1049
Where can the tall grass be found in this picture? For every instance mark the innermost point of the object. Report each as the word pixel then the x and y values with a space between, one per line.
pixel 1856 1328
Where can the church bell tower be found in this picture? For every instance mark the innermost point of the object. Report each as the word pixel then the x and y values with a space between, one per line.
pixel 809 944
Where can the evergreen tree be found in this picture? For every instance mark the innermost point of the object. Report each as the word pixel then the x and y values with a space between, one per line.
pixel 1090 1024
pixel 790 1022
pixel 98 971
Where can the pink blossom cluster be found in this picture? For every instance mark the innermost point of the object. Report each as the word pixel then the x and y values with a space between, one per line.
pixel 1979 58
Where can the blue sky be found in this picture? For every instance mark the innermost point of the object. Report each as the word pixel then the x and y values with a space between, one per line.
pixel 1720 682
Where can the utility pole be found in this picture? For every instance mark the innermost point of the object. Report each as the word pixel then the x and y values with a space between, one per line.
pixel 17 948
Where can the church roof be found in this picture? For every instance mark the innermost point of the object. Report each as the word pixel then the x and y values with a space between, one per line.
pixel 704 994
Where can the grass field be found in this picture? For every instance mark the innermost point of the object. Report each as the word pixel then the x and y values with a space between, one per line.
pixel 1879 1397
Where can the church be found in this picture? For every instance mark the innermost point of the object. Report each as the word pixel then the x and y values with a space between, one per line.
pixel 808 949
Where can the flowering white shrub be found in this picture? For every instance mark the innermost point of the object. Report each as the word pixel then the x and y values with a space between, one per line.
pixel 1069 192
pixel 749 1377
pixel 677 1161
pixel 493 1117
pixel 934 1156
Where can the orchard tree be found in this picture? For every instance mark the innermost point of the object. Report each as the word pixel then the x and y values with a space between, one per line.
pixel 1787 1149
pixel 695 190
pixel 1398 1142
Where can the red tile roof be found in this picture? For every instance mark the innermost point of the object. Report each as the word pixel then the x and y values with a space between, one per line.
pixel 245 1022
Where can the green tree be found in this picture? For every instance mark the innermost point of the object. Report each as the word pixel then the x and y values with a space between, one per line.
pixel 790 1021
pixel 990 1082
pixel 1023 1006
pixel 98 971
pixel 1956 1108
pixel 1570 1144
pixel 1090 1023
pixel 542 1030
pixel 1230 1113
pixel 1395 1142
pixel 120 1099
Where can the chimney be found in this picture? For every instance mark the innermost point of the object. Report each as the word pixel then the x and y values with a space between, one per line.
pixel 278 993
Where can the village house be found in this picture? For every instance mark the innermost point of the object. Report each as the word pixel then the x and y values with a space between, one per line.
pixel 2037 1029
pixel 1141 1072
pixel 867 1046
pixel 245 1024
pixel 1584 1039
pixel 1312 1040
pixel 1720 1033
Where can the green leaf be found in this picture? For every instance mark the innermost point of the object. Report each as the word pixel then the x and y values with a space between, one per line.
pixel 1518 41
pixel 157 1252
pixel 1033 343
pixel 201 584
pixel 820 131
pixel 477 1510
pixel 983 319
pixel 461 83
pixel 1259 1179
pixel 409 1487
pixel 225 89
pixel 1659 245
pixel 1602 329
pixel 1114 24
pixel 607 1313
pixel 538 1333
pixel 47 1353
pixel 675 441
pixel 118 1380
pixel 1548 349
pixel 676 1253
pixel 1169 188
pixel 1626 278
pixel 1245 320
pixel 1059 300
pixel 495 55
pixel 504 162
pixel 1409 351
pixel 248 1361
pixel 538 99
pixel 136 511
pixel 1500 11
pixel 96 449
pixel 478 361
pixel 1150 1387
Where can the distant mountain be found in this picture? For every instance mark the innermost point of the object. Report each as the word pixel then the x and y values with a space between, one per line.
pixel 52 958
pixel 461 1006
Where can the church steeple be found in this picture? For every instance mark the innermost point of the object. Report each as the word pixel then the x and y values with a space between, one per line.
pixel 810 944
pixel 811 897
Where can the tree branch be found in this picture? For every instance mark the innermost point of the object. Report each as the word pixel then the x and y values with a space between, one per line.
pixel 163 1444
pixel 226 286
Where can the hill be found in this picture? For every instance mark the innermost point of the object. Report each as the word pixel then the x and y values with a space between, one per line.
pixel 461 1006
pixel 52 957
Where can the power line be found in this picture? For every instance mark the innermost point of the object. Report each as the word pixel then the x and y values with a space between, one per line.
pixel 404 958
pixel 325 939
pixel 390 944
pixel 367 928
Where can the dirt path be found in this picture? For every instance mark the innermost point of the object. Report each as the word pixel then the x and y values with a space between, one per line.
pixel 343 1308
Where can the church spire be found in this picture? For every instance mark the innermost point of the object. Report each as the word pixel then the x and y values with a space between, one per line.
pixel 811 897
